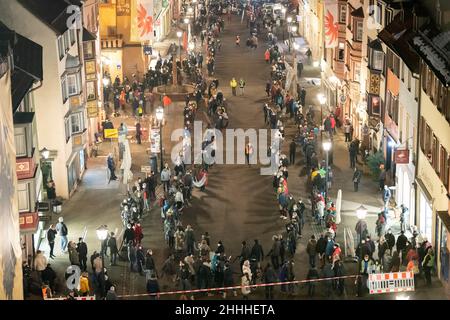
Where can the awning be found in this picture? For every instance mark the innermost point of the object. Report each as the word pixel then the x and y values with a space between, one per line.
pixel 88 36
pixel 23 117
pixel 21 83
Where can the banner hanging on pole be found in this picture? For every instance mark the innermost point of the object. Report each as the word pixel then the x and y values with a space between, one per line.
pixel 331 24
pixel 141 20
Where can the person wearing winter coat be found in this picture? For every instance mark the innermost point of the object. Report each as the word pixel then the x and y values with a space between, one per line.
pixel 179 199
pixel 165 177
pixel 204 249
pixel 401 241
pixel 428 265
pixel 270 276
pixel 320 248
pixel 73 254
pixel 169 268
pixel 179 240
pixel 313 274
pixel 228 280
pixel 189 238
pixel 113 250
pixel 84 284
pixel 311 250
pixel 245 253
pixel 246 269
pixel 380 225
pixel 245 286
pixel 153 287
pixel 329 248
pixel 390 239
pixel 111 294
pixel 257 252
pixel 387 261
pixel 275 253
pixel 395 262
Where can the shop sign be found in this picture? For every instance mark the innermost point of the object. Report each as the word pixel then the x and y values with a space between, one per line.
pixel 401 156
pixel 146 169
pixel 111 133
pixel 28 222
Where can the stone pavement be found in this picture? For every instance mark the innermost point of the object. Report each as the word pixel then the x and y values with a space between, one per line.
pixel 238 204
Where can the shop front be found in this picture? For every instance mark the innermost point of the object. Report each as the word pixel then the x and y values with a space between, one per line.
pixel 404 181
pixel 443 264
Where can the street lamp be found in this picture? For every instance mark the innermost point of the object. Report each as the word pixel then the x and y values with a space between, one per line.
pixel 179 35
pixel 160 118
pixel 45 153
pixel 322 100
pixel 327 147
pixel 102 234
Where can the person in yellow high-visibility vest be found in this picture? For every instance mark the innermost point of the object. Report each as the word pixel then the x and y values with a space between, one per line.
pixel 233 85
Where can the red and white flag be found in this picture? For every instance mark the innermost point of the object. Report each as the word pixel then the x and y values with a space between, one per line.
pixel 141 20
pixel 331 24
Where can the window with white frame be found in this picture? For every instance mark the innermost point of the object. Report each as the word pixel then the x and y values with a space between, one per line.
pixel 66 41
pixel 359 31
pixel 72 87
pixel 341 51
pixel 378 16
pixel 77 122
pixel 377 60
pixel 23 195
pixel 20 139
pixel 72 36
pixel 67 128
pixel 64 89
pixel 61 49
pixel 343 13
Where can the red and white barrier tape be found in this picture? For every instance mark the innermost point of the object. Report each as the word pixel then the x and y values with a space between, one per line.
pixel 235 287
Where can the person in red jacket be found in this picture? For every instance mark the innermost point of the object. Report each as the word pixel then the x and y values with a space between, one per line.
pixel 138 235
pixel 267 56
pixel 333 124
pixel 201 174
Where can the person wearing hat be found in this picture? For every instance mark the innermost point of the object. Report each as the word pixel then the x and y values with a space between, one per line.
pixel 62 230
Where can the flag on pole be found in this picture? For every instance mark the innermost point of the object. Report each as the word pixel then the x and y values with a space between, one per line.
pixel 141 20
pixel 331 24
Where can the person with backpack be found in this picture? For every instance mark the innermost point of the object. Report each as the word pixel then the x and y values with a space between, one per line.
pixel 62 230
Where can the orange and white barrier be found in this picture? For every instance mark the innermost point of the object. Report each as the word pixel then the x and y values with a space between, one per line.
pixel 391 282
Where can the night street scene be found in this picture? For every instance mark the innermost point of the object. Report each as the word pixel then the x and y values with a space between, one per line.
pixel 231 151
